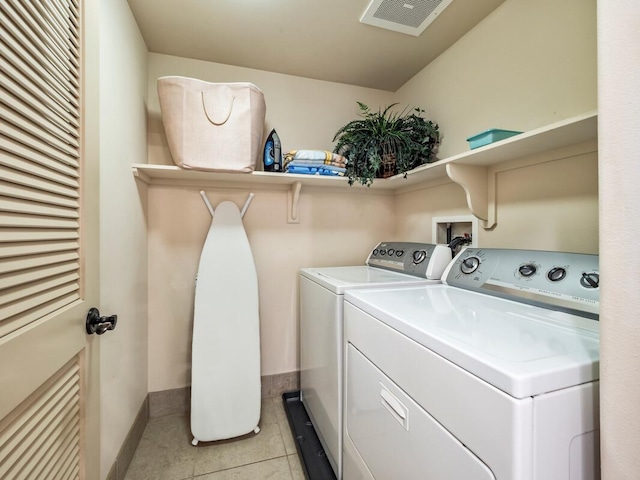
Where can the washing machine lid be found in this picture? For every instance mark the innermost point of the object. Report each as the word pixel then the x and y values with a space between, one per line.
pixel 523 350
pixel 340 279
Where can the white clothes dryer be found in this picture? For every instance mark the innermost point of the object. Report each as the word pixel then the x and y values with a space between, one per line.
pixel 491 375
pixel 390 265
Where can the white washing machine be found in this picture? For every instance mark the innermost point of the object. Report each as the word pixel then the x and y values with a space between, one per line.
pixel 491 375
pixel 390 264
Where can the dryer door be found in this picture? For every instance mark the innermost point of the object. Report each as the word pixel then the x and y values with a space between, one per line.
pixel 395 437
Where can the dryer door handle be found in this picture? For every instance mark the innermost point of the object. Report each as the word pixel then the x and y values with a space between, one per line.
pixel 395 407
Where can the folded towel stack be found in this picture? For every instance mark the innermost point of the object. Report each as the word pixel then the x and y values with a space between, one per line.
pixel 315 162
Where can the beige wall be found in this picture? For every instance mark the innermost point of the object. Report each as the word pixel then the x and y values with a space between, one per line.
pixel 416 209
pixel 123 242
pixel 527 65
pixel 552 205
pixel 336 227
pixel 548 206
pixel 619 130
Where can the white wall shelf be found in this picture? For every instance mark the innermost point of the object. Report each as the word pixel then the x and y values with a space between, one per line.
pixel 469 169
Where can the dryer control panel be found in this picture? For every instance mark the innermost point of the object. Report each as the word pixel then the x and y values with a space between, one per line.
pixel 420 259
pixel 556 280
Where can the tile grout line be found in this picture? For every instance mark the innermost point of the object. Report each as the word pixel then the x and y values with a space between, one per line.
pixel 285 456
pixel 272 412
pixel 284 449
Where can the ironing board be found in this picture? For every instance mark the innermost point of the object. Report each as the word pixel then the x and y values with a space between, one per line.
pixel 225 369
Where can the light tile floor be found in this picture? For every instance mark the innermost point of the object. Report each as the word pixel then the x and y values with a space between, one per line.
pixel 165 451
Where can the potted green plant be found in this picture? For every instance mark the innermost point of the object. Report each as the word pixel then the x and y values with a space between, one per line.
pixel 386 143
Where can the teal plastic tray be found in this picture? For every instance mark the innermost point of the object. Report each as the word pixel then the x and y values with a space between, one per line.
pixel 490 136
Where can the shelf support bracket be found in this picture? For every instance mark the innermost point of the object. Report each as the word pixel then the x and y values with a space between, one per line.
pixel 479 186
pixel 293 200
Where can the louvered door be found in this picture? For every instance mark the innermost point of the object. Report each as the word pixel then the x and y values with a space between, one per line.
pixel 48 229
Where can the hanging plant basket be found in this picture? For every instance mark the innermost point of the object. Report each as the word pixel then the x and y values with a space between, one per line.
pixel 388 165
pixel 386 143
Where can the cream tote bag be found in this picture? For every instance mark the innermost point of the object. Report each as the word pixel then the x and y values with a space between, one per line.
pixel 212 126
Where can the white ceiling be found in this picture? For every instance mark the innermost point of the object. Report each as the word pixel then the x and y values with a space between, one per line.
pixel 320 39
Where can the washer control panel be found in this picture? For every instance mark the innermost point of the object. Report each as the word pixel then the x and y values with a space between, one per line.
pixel 557 280
pixel 419 259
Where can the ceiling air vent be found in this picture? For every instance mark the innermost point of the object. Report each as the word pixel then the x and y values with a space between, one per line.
pixel 404 16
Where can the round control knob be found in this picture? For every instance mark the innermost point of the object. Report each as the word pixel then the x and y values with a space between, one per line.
pixel 556 274
pixel 590 280
pixel 399 253
pixel 419 256
pixel 469 265
pixel 391 251
pixel 527 270
pixel 375 251
pixel 383 251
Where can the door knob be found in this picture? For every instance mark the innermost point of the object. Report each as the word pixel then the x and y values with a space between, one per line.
pixel 97 324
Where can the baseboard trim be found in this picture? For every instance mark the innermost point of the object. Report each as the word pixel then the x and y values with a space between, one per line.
pixel 177 400
pixel 169 402
pixel 128 449
pixel 276 385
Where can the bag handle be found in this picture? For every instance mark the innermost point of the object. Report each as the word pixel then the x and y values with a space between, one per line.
pixel 210 117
